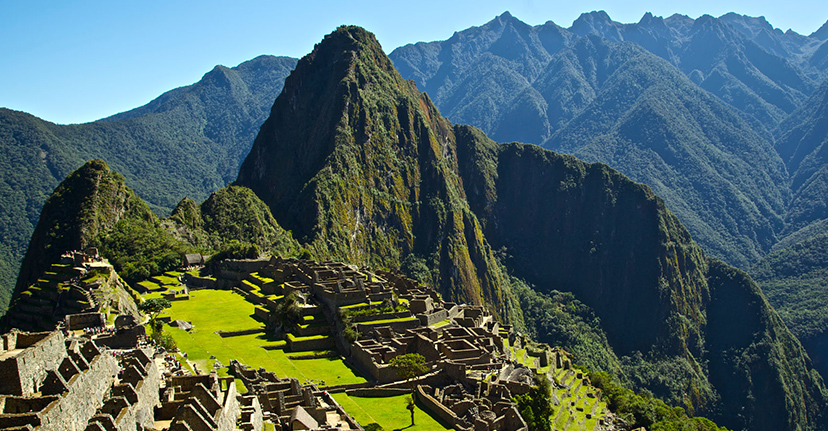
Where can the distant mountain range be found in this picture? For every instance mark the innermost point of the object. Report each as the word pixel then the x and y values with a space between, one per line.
pixel 724 118
pixel 187 142
pixel 355 164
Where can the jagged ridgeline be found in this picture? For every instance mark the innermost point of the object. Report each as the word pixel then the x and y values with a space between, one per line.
pixel 361 166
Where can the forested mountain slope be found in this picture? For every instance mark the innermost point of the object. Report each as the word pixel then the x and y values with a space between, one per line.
pixel 729 129
pixel 188 142
pixel 795 274
pixel 585 91
pixel 360 165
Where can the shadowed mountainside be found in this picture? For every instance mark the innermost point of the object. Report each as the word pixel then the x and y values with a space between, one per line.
pixel 377 176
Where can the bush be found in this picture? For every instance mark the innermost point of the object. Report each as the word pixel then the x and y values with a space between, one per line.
pixel 350 334
pixel 235 250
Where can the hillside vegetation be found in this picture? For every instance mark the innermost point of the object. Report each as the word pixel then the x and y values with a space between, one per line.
pixel 724 118
pixel 381 178
pixel 188 142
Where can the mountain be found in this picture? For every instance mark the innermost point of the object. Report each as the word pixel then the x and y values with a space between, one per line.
pixel 188 142
pixel 359 165
pixel 795 274
pixel 372 175
pixel 795 279
pixel 589 91
pixel 761 71
pixel 728 128
pixel 89 202
pixel 724 180
pixel 803 145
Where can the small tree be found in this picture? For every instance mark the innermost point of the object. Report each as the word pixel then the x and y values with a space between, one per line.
pixel 153 307
pixel 409 366
pixel 409 404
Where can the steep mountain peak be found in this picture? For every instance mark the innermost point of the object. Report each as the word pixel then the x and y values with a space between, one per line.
pixel 221 77
pixel 505 17
pixel 705 21
pixel 748 25
pixel 649 19
pixel 598 22
pixel 360 165
pixel 821 33
pixel 90 201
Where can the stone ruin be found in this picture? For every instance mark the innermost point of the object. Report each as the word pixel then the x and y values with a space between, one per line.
pixel 292 405
pixel 205 402
pixel 48 382
pixel 68 294
pixel 469 404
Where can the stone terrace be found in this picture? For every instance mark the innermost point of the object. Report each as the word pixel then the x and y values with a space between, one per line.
pixel 285 401
pixel 205 402
pixel 48 382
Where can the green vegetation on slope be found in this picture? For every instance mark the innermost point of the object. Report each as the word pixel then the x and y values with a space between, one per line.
pixel 88 203
pixel 375 177
pixel 795 280
pixel 187 142
pixel 642 410
pixel 585 229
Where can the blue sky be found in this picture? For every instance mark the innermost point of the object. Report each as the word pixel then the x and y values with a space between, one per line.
pixel 71 61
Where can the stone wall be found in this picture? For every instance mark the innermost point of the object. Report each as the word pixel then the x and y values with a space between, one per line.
pixel 85 320
pixel 84 395
pixel 299 345
pixel 437 409
pixel 22 372
pixel 430 319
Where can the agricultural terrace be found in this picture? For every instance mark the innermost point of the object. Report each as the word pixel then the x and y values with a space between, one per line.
pixel 221 310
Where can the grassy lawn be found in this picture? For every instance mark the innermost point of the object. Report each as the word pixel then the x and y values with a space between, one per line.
pixel 165 280
pixel 442 323
pixel 309 337
pixel 399 319
pixel 352 306
pixel 389 412
pixel 213 310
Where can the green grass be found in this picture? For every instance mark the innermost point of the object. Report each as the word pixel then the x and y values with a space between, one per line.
pixel 389 412
pixel 441 323
pixel 213 310
pixel 400 319
pixel 167 280
pixel 310 337
pixel 261 278
pixel 251 287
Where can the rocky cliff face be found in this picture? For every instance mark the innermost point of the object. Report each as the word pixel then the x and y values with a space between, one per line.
pixel 689 328
pixel 372 176
pixel 357 163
